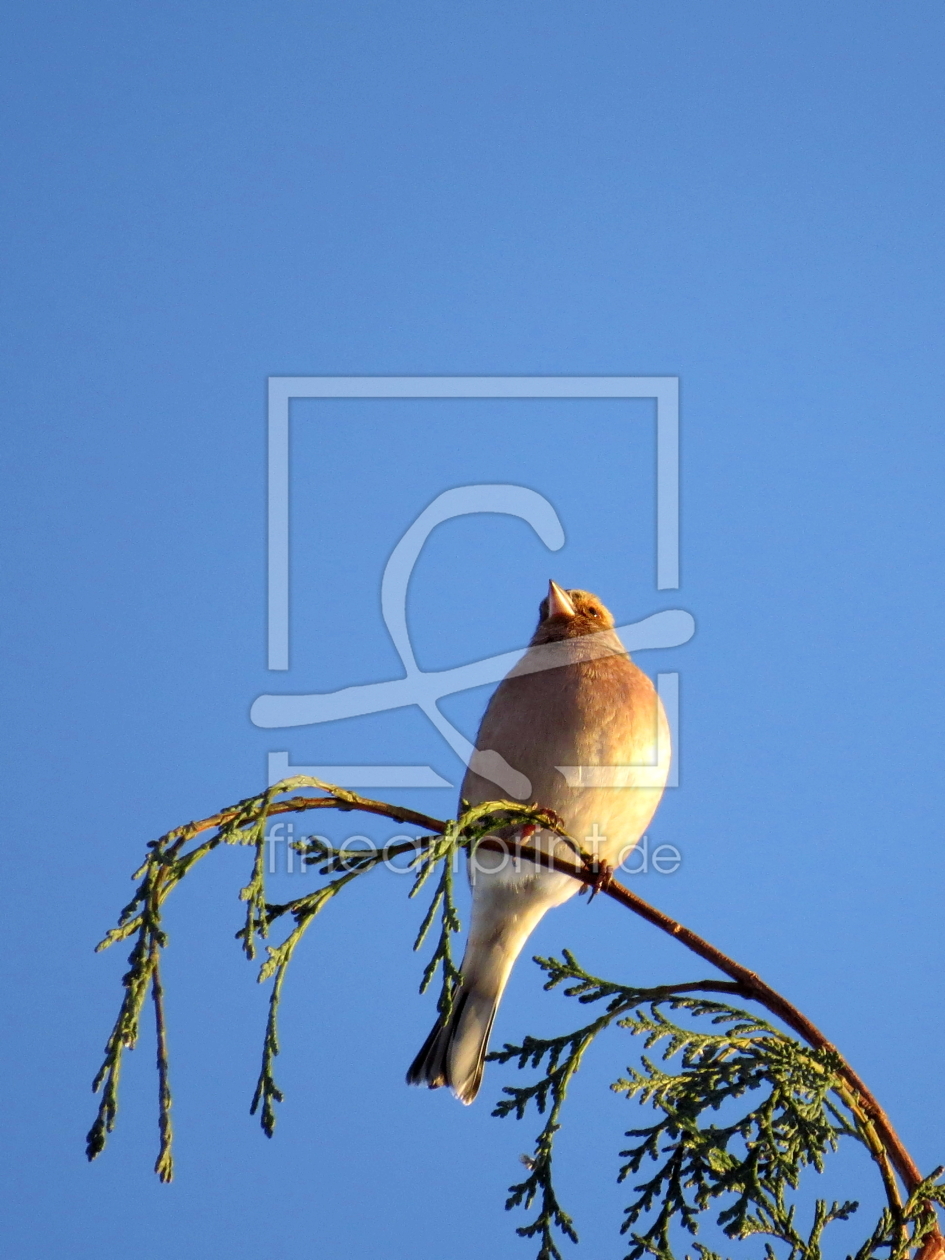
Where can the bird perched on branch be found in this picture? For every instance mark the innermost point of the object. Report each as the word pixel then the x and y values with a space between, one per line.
pixel 574 700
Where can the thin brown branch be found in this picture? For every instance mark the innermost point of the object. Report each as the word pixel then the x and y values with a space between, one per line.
pixel 754 987
pixel 180 835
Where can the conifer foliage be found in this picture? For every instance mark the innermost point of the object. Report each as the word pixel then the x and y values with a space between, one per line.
pixel 740 1109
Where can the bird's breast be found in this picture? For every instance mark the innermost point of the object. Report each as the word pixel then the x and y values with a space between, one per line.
pixel 594 715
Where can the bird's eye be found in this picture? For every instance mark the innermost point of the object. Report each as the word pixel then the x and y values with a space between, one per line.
pixel 592 612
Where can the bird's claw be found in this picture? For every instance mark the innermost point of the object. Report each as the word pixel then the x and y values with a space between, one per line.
pixel 603 874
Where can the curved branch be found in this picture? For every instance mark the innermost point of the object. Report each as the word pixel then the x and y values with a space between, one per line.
pixel 752 985
pixel 180 835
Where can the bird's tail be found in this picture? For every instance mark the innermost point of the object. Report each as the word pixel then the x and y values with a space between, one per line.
pixel 502 921
pixel 455 1051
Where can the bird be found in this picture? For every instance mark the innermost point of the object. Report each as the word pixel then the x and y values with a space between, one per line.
pixel 593 707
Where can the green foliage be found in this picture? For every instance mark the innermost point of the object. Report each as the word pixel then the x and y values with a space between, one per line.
pixel 169 860
pixel 789 1106
pixel 141 918
pixel 440 852
pixel 741 1108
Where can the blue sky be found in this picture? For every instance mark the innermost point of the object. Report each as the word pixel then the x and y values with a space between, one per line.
pixel 747 197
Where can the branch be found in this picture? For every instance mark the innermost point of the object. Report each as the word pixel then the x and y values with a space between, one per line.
pixel 751 985
pixel 240 823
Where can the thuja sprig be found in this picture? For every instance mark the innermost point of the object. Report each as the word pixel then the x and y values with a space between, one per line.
pixel 751 1163
pixel 459 835
pixel 140 918
pixel 796 1108
pixel 442 851
pixel 431 852
pixel 169 860
pixel 438 851
pixel 560 1057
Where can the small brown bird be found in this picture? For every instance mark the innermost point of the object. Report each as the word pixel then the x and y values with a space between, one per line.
pixel 574 700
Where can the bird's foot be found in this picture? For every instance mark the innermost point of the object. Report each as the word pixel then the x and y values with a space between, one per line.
pixel 603 874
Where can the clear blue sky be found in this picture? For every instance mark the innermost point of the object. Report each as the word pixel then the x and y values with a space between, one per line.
pixel 746 196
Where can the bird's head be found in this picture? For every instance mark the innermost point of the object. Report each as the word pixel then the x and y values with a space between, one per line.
pixel 568 614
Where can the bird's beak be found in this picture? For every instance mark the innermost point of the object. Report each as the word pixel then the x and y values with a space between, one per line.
pixel 559 604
